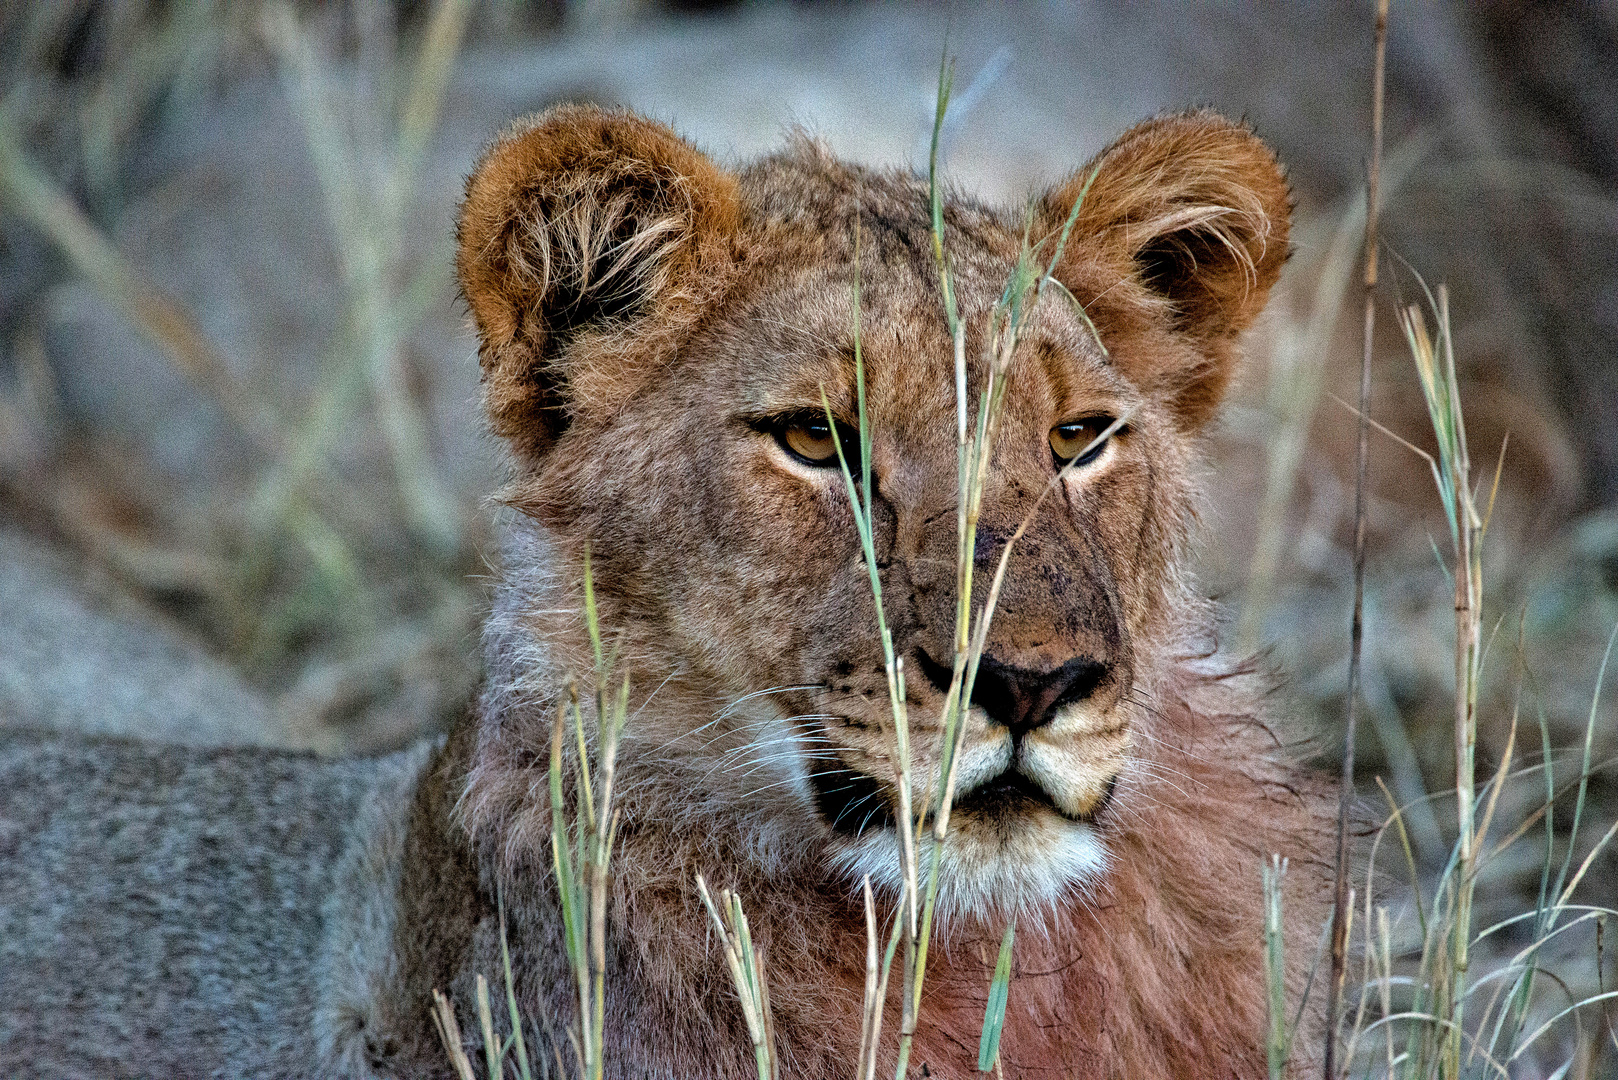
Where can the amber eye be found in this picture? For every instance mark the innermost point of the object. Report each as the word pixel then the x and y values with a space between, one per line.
pixel 1069 440
pixel 811 440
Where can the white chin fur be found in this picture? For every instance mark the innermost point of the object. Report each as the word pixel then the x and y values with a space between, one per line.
pixel 986 874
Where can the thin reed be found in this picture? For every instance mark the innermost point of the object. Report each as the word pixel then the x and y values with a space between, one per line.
pixel 1341 903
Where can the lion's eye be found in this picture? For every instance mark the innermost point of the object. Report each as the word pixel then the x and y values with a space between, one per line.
pixel 812 441
pixel 1071 442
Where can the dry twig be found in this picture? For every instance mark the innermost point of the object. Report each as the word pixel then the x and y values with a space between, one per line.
pixel 1339 938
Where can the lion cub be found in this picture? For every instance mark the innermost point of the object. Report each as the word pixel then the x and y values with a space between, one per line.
pixel 656 334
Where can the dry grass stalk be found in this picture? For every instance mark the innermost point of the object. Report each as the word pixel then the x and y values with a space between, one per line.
pixel 582 860
pixel 747 971
pixel 1340 904
pixel 876 990
pixel 367 211
pixel 449 1031
pixel 1435 365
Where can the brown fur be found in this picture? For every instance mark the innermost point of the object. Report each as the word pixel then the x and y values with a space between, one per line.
pixel 647 320
pixel 642 312
pixel 598 213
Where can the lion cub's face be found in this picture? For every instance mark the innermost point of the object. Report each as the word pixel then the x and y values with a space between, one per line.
pixel 660 343
pixel 1050 726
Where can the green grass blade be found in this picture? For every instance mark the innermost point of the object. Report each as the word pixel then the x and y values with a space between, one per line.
pixel 591 618
pixel 994 1013
pixel 935 197
pixel 524 1070
pixel 1276 1043
pixel 1067 229
pixel 1584 771
pixel 492 1050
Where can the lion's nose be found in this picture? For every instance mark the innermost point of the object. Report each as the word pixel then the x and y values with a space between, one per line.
pixel 1022 699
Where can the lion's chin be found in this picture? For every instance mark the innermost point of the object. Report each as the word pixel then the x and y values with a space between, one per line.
pixel 995 866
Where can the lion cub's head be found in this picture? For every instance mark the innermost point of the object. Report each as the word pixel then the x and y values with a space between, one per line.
pixel 657 333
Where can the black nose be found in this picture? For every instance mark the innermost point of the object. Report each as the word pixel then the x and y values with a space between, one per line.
pixel 1023 700
pixel 1020 698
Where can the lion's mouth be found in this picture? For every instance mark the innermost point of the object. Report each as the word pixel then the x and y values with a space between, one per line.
pixel 1009 793
pixel 853 802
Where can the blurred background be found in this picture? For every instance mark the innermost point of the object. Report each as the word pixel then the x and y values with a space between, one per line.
pixel 244 483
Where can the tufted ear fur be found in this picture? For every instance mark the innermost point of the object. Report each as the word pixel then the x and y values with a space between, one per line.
pixel 588 244
pixel 1183 227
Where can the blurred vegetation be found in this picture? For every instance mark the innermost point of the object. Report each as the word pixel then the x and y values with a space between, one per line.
pixel 348 590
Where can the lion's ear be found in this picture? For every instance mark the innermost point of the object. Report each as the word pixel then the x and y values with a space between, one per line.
pixel 1184 224
pixel 588 242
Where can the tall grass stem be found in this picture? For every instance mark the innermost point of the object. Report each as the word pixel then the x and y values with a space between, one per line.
pixel 1340 901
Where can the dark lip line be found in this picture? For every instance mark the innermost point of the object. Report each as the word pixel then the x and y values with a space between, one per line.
pixel 863 790
pixel 1009 782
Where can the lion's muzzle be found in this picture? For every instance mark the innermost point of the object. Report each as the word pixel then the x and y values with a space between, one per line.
pixel 1067 738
